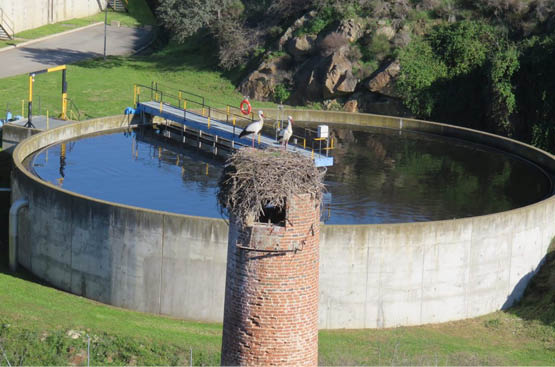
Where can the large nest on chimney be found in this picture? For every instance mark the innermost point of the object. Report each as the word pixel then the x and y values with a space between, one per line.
pixel 256 179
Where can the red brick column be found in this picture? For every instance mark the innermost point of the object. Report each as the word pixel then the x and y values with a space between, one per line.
pixel 271 296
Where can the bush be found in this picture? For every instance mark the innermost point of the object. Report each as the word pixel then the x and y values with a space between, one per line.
pixel 235 43
pixel 332 42
pixel 281 93
pixel 420 68
pixel 378 49
pixel 463 46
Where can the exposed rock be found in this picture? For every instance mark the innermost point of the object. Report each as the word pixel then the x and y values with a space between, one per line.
pixel 260 83
pixel 386 31
pixel 338 79
pixel 351 105
pixel 350 30
pixel 291 30
pixel 306 80
pixel 376 103
pixel 301 47
pixel 324 78
pixel 383 81
pixel 331 105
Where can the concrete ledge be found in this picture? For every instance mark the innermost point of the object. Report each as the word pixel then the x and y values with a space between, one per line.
pixel 371 276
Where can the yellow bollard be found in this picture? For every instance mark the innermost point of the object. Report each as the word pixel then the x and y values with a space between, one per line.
pixel 23 108
pixel 304 143
pixel 160 106
pixel 258 139
pixel 184 105
pixel 234 121
pixel 159 152
pixel 312 153
pixel 206 169
pixel 203 112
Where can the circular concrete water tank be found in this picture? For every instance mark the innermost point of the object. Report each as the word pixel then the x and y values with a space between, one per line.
pixel 378 275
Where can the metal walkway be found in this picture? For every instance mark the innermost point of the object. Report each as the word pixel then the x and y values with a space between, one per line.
pixel 218 129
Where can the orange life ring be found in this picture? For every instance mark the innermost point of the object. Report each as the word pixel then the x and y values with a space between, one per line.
pixel 249 108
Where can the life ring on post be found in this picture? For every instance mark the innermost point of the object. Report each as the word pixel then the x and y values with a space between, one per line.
pixel 248 109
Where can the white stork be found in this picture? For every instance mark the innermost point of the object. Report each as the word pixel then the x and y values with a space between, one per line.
pixel 254 127
pixel 286 133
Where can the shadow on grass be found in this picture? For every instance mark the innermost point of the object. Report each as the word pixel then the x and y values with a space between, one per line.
pixel 538 301
pixel 199 53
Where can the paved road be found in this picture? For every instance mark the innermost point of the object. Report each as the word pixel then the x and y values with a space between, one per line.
pixel 72 47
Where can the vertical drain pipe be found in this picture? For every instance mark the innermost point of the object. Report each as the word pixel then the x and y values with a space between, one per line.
pixel 14 210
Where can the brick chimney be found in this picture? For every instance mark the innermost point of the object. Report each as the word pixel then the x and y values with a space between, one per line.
pixel 271 295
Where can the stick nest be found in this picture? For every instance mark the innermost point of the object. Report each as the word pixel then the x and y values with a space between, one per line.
pixel 254 179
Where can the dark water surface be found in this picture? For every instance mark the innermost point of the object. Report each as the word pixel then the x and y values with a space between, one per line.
pixel 379 176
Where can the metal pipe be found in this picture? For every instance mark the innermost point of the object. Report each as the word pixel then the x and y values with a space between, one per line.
pixel 14 210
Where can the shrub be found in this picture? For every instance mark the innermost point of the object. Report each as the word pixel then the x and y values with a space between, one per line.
pixel 332 42
pixel 379 48
pixel 420 68
pixel 235 43
pixel 463 46
pixel 281 93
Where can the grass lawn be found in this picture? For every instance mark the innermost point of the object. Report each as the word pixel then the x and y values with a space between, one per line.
pixel 40 325
pixel 101 88
pixel 139 14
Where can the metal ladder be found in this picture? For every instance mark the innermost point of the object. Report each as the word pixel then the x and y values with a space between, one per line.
pixel 6 26
pixel 118 5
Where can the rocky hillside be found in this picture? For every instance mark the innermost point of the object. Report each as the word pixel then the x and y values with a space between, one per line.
pixel 327 67
pixel 484 65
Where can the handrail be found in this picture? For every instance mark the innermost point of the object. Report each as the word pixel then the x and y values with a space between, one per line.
pixel 5 21
pixel 184 103
pixel 180 91
pixel 73 106
pixel 308 141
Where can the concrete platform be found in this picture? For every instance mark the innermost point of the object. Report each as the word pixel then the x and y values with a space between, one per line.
pixel 14 132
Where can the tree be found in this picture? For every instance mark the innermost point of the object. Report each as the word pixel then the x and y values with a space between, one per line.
pixel 502 66
pixel 420 68
pixel 185 17
pixel 535 97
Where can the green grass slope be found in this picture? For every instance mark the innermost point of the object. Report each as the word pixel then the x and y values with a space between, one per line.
pixel 102 88
pixel 40 325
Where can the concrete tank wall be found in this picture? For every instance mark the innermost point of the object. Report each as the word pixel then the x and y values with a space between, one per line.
pixel 29 14
pixel 370 275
